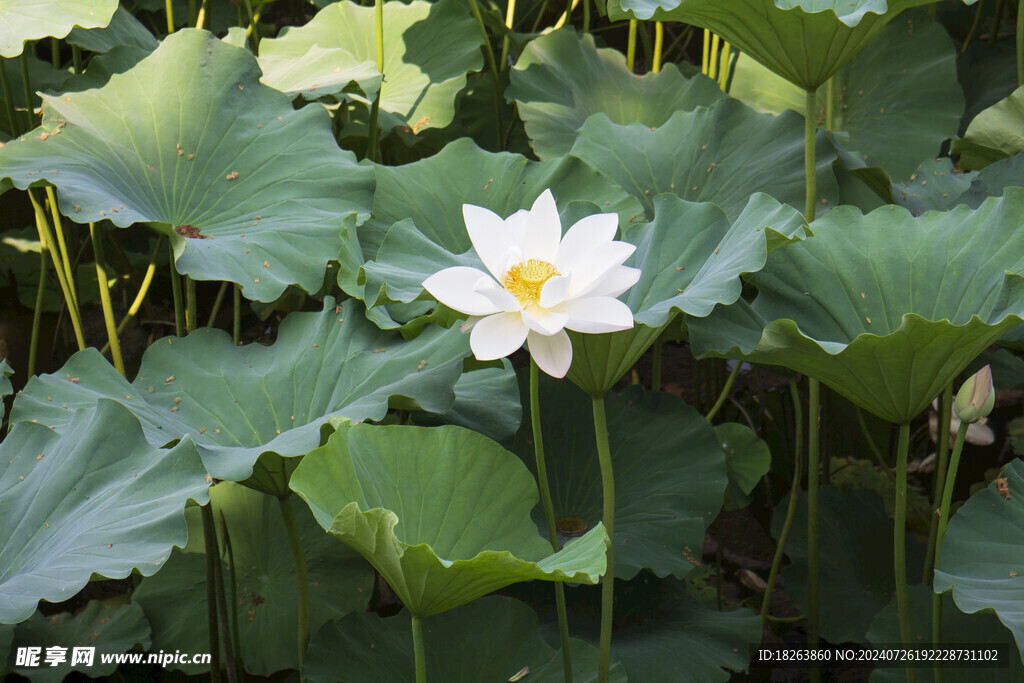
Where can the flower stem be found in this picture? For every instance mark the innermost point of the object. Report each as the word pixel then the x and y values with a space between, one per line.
pixel 76 58
pixel 179 313
pixel 236 323
pixel 810 178
pixel 5 83
pixel 190 304
pixel 493 68
pixel 945 417
pixel 899 540
pixel 418 651
pixel 58 229
pixel 947 499
pixel 37 314
pixel 720 401
pixel 631 45
pixel 813 443
pixel 659 40
pixel 372 152
pixel 108 312
pixel 301 576
pixel 169 10
pixel 212 558
pixel 604 457
pixel 974 27
pixel 26 87
pixel 147 280
pixel 794 490
pixel 217 303
pixel 46 237
pixel 510 16
pixel 549 513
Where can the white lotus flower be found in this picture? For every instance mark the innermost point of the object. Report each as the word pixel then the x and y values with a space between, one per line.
pixel 542 284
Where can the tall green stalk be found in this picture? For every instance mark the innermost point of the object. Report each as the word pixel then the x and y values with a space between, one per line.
pixel 659 41
pixel 549 513
pixel 724 393
pixel 179 309
pixel 945 415
pixel 37 314
pixel 899 541
pixel 794 490
pixel 5 83
pixel 510 16
pixel 217 303
pixel 974 27
pixel 493 68
pixel 418 650
pixel 26 87
pixel 947 499
pixel 46 237
pixel 103 281
pixel 147 280
pixel 301 576
pixel 631 45
pixel 169 11
pixel 813 443
pixel 810 178
pixel 212 559
pixel 604 457
pixel 1019 41
pixel 58 229
pixel 191 306
pixel 372 143
pixel 236 316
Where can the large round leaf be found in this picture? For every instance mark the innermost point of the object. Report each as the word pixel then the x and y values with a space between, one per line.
pixel 339 581
pixel 422 74
pixel 22 20
pixel 670 473
pixel 983 552
pixel 237 403
pixel 804 41
pixel 95 498
pixel 442 513
pixel 489 639
pixel 994 134
pixel 721 154
pixel 562 78
pixel 983 630
pixel 100 627
pixel 855 553
pixel 690 259
pixel 895 103
pixel 885 308
pixel 123 29
pixel 190 141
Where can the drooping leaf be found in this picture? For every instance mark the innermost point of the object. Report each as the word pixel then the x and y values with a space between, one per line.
pixel 237 403
pixel 486 401
pixel 900 305
pixel 562 78
pixel 123 29
pixel 22 20
pixel 747 459
pixel 670 473
pixel 93 498
pixel 721 154
pixel 981 629
pixel 855 555
pixel 994 134
pixel 422 73
pixel 339 581
pixel 110 630
pixel 492 638
pixel 690 259
pixel 804 41
pixel 259 191
pixel 441 512
pixel 894 103
pixel 983 551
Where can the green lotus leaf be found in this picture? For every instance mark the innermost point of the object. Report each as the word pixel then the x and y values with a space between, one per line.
pixel 804 41
pixel 994 134
pixel 935 185
pixel 95 498
pixel 237 403
pixel 983 551
pixel 442 513
pixel 492 638
pixel 226 157
pixel 486 401
pixel 721 154
pixel 884 116
pixel 747 459
pixel 422 74
pixel 957 627
pixel 562 78
pixel 19 268
pixel 265 585
pixel 5 384
pixel 22 20
pixel 123 29
pixel 690 259
pixel 855 555
pixel 900 304
pixel 108 629
pixel 418 213
pixel 670 473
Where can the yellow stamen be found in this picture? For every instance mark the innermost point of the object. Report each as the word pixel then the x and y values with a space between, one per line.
pixel 525 280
